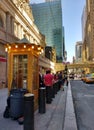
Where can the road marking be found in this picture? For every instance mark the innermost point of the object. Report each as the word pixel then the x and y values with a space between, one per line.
pixel 89 95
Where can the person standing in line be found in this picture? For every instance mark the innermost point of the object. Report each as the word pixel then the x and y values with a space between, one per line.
pixel 60 79
pixel 48 81
pixel 66 80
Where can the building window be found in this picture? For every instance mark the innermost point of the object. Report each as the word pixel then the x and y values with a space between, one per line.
pixel 1 22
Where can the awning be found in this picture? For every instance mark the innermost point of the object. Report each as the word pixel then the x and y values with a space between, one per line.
pixel 2 59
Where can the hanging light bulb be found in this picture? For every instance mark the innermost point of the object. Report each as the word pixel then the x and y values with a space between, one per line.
pixel 16 46
pixel 39 48
pixel 40 52
pixel 24 46
pixel 32 47
pixel 9 47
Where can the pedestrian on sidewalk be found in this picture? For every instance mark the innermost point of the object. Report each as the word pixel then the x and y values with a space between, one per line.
pixel 66 80
pixel 48 81
pixel 61 80
pixel 41 83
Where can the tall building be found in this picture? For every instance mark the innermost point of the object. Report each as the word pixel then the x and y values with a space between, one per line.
pixel 78 51
pixel 83 21
pixel 48 18
pixel 89 31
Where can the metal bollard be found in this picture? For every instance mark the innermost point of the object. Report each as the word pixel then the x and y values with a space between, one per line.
pixel 42 102
pixel 29 111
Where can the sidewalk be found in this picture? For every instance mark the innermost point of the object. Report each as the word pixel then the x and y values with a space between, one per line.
pixel 53 119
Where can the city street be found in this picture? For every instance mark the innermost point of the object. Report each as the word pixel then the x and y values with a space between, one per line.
pixel 46 63
pixel 83 98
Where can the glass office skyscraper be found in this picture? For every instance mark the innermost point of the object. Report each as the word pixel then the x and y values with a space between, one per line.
pixel 48 18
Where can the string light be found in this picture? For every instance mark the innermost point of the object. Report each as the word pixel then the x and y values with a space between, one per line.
pixel 9 47
pixel 16 46
pixel 24 46
pixel 37 48
pixel 32 47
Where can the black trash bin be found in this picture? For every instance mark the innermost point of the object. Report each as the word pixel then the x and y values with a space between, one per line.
pixel 17 103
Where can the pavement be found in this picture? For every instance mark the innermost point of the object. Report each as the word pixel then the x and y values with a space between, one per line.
pixel 59 114
pixel 83 98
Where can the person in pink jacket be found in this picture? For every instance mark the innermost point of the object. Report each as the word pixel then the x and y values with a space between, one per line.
pixel 48 81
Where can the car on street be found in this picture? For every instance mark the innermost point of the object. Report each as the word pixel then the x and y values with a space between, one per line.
pixel 84 77
pixel 88 78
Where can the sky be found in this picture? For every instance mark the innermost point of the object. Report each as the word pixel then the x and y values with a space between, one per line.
pixel 71 13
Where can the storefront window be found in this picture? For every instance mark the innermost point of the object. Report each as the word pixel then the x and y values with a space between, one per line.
pixel 19 71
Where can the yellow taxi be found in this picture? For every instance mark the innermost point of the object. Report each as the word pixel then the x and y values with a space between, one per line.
pixel 84 77
pixel 89 78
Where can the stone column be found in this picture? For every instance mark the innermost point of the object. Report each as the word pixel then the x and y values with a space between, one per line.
pixel 31 39
pixel 8 29
pixel 19 30
pixel 12 25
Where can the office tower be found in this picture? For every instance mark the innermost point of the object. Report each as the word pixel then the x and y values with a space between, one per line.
pixel 78 51
pixel 48 18
pixel 88 41
pixel 83 22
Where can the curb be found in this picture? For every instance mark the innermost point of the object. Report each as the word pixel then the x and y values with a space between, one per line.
pixel 70 118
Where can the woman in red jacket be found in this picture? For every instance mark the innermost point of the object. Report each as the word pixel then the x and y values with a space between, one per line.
pixel 48 81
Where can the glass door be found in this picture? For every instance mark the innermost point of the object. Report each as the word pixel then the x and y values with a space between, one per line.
pixel 19 71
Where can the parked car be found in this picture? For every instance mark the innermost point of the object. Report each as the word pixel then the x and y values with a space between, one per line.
pixel 84 77
pixel 71 76
pixel 89 78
